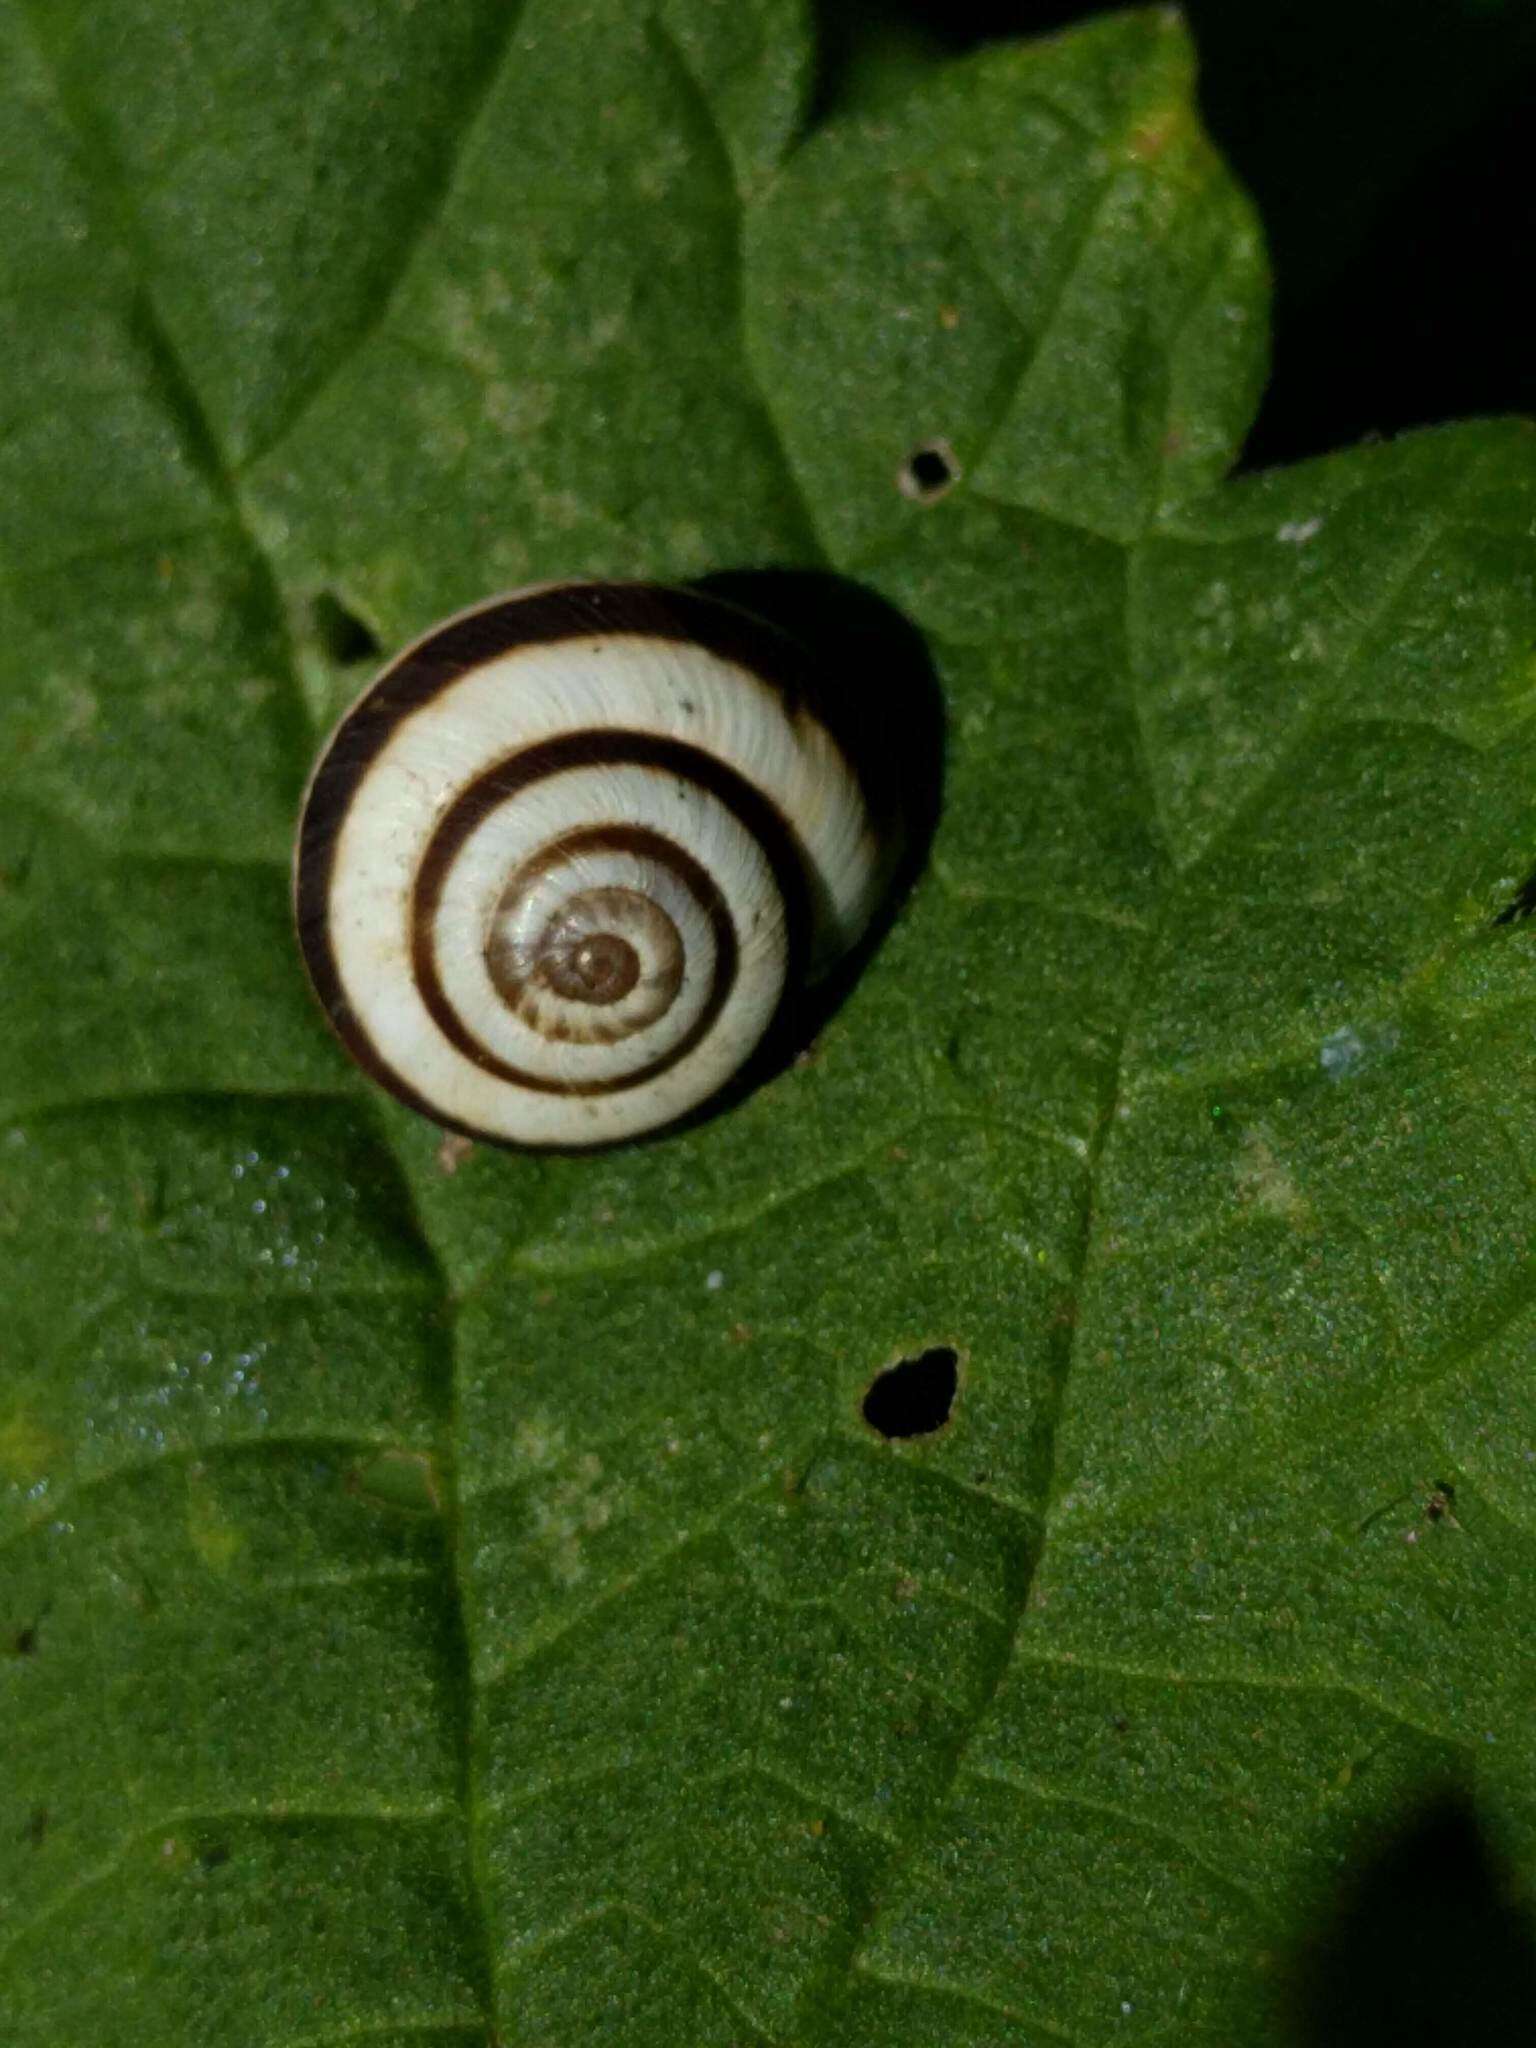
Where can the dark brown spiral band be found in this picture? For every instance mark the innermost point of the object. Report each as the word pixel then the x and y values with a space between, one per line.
pixel 572 611
pixel 597 747
pixel 637 840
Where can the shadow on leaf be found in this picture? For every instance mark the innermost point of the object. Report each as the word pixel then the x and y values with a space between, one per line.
pixel 882 703
pixel 1425 1942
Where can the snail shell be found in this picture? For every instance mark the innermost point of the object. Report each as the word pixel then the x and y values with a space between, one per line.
pixel 559 865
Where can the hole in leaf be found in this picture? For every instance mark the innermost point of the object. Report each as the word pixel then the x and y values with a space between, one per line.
pixel 24 1642
pixel 928 472
pixel 914 1397
pixel 342 635
pixel 1521 904
pixel 36 1829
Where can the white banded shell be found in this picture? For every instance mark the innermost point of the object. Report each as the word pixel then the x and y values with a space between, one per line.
pixel 560 862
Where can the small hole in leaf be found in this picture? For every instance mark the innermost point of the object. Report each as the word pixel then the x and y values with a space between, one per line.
pixel 342 635
pixel 24 1642
pixel 928 472
pixel 214 1856
pixel 914 1397
pixel 36 1829
pixel 1521 904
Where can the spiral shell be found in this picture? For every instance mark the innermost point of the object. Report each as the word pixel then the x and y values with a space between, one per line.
pixel 559 864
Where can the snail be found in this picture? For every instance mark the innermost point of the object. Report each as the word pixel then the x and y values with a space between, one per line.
pixel 560 865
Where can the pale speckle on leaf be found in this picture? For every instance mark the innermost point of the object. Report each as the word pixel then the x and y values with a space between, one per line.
pixel 1297 532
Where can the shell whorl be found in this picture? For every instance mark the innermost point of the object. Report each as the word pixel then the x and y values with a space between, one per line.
pixel 558 865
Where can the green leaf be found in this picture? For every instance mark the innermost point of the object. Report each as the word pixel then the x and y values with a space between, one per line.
pixel 459 1596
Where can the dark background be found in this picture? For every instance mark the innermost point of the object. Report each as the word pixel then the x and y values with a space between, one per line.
pixel 1391 148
